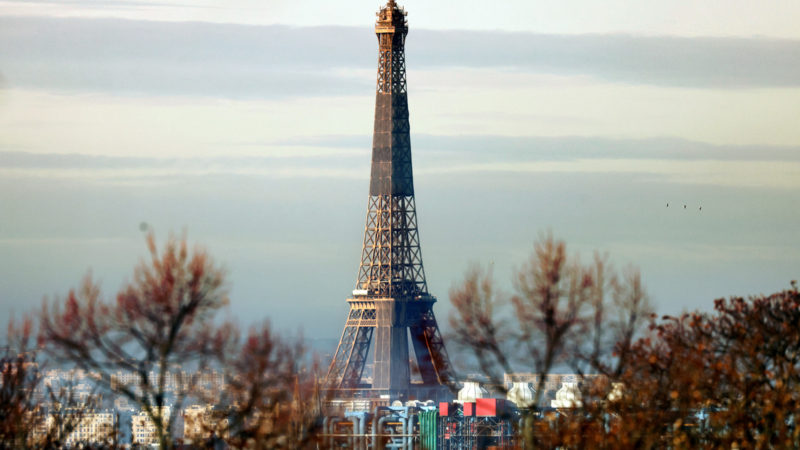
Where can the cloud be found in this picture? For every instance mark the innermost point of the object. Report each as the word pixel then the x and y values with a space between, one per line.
pixel 29 160
pixel 749 174
pixel 562 148
pixel 158 58
pixel 706 62
pixel 673 161
pixel 241 61
pixel 304 163
pixel 106 3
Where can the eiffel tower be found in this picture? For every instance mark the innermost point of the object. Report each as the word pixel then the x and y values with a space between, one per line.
pixel 391 301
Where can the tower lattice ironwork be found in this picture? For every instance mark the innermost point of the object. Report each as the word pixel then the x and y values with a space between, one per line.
pixel 391 302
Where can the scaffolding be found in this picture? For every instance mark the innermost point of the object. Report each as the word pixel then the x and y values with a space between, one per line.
pixel 467 433
pixel 395 427
pixel 451 426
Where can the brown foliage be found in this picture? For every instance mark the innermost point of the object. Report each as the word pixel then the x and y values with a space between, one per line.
pixel 19 412
pixel 26 403
pixel 738 365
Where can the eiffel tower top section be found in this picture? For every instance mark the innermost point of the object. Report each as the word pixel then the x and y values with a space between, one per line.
pixel 391 261
pixel 391 150
pixel 391 23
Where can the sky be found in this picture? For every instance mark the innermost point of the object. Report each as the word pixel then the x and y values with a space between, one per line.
pixel 247 124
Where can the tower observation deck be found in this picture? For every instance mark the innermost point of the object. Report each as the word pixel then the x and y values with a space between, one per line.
pixel 391 304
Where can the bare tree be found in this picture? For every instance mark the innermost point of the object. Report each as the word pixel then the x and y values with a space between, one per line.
pixel 562 314
pixel 478 324
pixel 162 329
pixel 275 392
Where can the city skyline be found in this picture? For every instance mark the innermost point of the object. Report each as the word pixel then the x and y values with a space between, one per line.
pixel 254 134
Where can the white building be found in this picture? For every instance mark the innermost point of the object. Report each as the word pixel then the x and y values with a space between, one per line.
pixel 201 422
pixel 569 396
pixel 471 391
pixel 144 431
pixel 521 394
pixel 94 427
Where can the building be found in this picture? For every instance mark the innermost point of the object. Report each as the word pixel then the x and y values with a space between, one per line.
pixel 569 396
pixel 552 382
pixel 94 427
pixel 144 430
pixel 201 423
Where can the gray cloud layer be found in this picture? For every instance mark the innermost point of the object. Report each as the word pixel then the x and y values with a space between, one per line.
pixel 436 150
pixel 660 60
pixel 562 148
pixel 241 61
